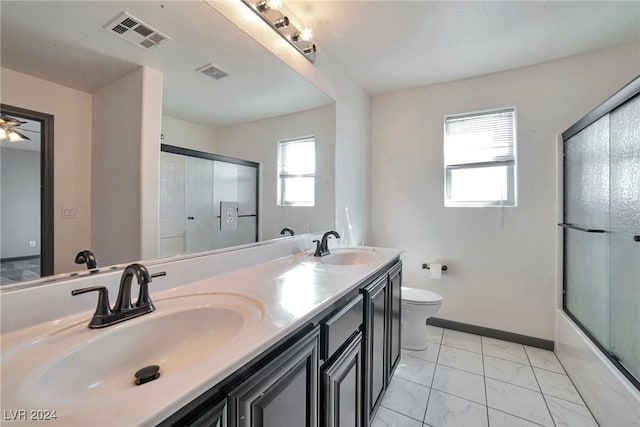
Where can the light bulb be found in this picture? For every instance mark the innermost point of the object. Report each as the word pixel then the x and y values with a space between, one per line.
pixel 302 35
pixel 306 34
pixel 265 5
pixel 14 136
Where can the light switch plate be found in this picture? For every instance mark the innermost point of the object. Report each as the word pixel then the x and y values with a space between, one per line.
pixel 69 213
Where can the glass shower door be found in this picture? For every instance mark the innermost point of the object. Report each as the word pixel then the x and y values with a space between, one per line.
pixel 624 225
pixel 172 204
pixel 602 233
pixel 193 184
pixel 200 215
pixel 236 183
pixel 587 206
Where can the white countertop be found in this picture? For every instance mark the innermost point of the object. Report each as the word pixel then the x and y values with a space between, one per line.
pixel 283 295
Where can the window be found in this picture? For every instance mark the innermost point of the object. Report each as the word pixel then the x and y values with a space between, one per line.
pixel 296 172
pixel 479 159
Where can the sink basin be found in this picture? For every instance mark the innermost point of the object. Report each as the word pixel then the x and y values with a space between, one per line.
pixel 350 257
pixel 181 333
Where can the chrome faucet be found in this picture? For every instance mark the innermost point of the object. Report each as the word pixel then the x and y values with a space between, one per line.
pixel 87 257
pixel 123 309
pixel 287 230
pixel 322 247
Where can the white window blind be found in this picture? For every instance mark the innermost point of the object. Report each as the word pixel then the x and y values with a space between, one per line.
pixel 296 172
pixel 479 159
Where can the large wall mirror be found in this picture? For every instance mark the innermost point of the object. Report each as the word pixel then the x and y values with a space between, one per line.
pixel 167 120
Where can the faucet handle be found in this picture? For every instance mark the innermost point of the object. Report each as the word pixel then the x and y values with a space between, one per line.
pixel 103 308
pixel 143 296
pixel 318 251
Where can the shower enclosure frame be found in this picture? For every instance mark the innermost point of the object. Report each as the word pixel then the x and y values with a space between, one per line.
pixel 626 94
pixel 166 148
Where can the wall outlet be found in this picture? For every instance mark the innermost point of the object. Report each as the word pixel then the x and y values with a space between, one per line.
pixel 69 213
pixel 32 243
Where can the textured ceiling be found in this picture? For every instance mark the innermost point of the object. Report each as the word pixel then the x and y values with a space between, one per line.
pixel 383 45
pixel 390 45
pixel 65 42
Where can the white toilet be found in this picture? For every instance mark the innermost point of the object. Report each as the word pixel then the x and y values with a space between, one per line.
pixel 417 306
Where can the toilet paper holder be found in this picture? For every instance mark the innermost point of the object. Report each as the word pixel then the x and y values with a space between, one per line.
pixel 425 266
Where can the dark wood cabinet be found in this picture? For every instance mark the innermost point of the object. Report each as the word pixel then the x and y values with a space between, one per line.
pixel 214 417
pixel 338 328
pixel 376 301
pixel 395 313
pixel 284 393
pixel 342 387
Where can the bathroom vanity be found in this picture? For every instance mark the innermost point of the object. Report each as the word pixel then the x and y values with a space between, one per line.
pixel 333 372
pixel 291 341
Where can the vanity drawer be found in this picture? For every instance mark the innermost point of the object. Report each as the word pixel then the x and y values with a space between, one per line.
pixel 336 329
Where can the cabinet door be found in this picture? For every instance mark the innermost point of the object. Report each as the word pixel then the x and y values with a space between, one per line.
pixel 376 315
pixel 342 387
pixel 395 301
pixel 284 393
pixel 214 417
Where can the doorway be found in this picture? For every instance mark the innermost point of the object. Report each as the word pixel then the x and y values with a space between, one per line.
pixel 26 251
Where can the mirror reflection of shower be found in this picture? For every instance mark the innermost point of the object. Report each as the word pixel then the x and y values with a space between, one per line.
pixel 207 201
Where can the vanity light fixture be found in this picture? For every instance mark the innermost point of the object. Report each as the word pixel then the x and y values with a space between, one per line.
pixel 265 5
pixel 270 11
pixel 9 129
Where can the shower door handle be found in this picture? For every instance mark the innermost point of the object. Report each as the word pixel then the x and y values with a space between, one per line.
pixel 576 227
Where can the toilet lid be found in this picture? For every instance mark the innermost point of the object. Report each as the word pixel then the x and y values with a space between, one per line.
pixel 420 296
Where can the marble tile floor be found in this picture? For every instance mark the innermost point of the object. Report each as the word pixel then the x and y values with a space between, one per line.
pixel 19 271
pixel 468 380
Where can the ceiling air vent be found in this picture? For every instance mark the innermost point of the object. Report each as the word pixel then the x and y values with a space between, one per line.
pixel 212 71
pixel 135 31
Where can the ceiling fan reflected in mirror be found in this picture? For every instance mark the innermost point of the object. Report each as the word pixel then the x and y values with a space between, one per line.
pixel 9 129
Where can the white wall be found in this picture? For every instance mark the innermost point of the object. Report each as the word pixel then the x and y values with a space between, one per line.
pixel 258 142
pixel 150 163
pixel 353 176
pixel 502 264
pixel 125 159
pixel 181 133
pixel 20 202
pixel 72 157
